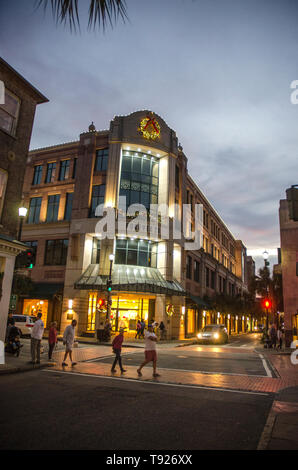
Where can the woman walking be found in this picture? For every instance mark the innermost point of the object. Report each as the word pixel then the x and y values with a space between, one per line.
pixel 53 339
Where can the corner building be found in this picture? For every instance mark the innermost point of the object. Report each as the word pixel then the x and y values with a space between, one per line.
pixel 152 278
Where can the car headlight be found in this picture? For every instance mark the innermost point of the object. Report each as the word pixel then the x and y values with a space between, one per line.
pixel 216 336
pixel 199 335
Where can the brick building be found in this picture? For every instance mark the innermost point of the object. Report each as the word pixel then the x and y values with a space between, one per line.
pixel 17 111
pixel 153 277
pixel 288 220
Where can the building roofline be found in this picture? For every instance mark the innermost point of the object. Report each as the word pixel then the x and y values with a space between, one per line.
pixel 53 147
pixel 38 94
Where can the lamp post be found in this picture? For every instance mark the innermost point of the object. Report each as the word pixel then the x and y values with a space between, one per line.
pixel 109 287
pixel 22 214
pixel 266 264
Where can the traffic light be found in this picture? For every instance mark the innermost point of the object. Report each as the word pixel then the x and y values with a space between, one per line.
pixel 109 285
pixel 100 303
pixel 267 303
pixel 26 259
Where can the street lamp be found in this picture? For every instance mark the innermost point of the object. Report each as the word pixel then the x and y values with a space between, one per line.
pixel 109 287
pixel 265 256
pixel 22 214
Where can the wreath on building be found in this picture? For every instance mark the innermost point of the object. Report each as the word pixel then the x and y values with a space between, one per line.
pixel 170 310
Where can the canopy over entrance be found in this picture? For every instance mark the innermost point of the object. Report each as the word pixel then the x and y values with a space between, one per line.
pixel 129 278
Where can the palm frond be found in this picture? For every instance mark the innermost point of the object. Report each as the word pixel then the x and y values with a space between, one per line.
pixel 101 12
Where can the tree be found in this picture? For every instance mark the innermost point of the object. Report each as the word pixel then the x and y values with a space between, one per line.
pixel 101 12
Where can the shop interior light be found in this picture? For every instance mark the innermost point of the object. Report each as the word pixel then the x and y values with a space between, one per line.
pixel 70 304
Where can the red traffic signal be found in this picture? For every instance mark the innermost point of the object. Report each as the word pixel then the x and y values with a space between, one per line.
pixel 267 303
pixel 100 303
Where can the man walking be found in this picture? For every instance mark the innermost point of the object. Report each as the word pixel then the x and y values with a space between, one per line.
pixel 68 340
pixel 36 337
pixel 150 351
pixel 117 346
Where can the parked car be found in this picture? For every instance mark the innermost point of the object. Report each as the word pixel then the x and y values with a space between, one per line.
pixel 216 334
pixel 24 323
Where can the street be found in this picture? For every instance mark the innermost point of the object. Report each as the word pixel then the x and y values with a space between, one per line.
pixel 86 407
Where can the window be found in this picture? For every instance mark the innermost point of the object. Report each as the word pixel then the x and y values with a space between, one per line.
pixel 196 271
pixel 177 179
pixel 74 169
pixel 34 210
pixel 9 113
pixel 68 206
pixel 51 171
pixel 212 279
pixel 53 208
pixel 56 252
pixel 188 267
pixel 37 174
pixel 139 179
pixel 101 162
pixel 64 170
pixel 95 251
pixel 97 198
pixel 207 276
pixel 3 183
pixel 136 252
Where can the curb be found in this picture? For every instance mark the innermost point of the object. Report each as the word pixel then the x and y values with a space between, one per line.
pixel 26 368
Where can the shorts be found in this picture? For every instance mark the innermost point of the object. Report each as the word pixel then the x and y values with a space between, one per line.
pixel 151 355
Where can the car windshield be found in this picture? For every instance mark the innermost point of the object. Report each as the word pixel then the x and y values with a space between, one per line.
pixel 208 328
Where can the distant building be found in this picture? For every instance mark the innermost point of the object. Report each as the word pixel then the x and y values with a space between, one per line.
pixel 16 121
pixel 288 219
pixel 153 277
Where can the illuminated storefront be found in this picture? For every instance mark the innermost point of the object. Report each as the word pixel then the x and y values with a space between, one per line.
pixel 35 306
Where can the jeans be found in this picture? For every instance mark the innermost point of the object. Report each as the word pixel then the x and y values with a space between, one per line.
pixel 51 349
pixel 117 359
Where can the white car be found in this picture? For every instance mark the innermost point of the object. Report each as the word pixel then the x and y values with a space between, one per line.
pixel 24 323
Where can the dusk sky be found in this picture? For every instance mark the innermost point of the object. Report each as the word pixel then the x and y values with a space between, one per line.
pixel 217 71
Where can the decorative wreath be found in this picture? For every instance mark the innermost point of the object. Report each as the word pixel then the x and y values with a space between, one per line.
pixel 170 310
pixel 150 128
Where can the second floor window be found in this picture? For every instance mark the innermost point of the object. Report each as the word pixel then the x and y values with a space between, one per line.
pixel 64 170
pixel 196 271
pixel 95 256
pixel 188 267
pixel 9 113
pixel 37 174
pixel 53 208
pixel 34 210
pixel 74 169
pixel 56 252
pixel 98 197
pixel 51 171
pixel 101 162
pixel 68 206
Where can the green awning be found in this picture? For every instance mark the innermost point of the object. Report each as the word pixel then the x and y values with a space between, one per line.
pixel 129 278
pixel 198 301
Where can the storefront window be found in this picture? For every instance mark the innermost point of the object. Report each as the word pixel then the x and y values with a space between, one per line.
pixel 91 312
pixel 34 306
pixel 190 321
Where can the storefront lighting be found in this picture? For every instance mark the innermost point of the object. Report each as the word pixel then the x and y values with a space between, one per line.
pixel 70 304
pixel 139 150
pixel 242 318
pixel 204 314
pixel 218 315
pixel 149 151
pixel 229 316
pixel 236 317
pixel 183 310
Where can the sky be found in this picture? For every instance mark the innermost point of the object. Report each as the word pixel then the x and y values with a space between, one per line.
pixel 217 71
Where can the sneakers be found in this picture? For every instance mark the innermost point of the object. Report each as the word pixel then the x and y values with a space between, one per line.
pixel 156 375
pixel 123 370
pixel 64 364
pixel 113 370
pixel 139 373
pixel 73 363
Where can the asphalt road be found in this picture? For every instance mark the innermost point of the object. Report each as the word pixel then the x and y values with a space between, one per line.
pixel 51 410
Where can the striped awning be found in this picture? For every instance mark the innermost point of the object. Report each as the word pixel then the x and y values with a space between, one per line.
pixel 129 278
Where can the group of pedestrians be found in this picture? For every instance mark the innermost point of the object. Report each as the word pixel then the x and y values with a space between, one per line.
pixel 37 335
pixel 275 337
pixel 157 328
pixel 150 350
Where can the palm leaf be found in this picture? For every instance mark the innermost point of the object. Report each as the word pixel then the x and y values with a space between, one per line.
pixel 101 12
